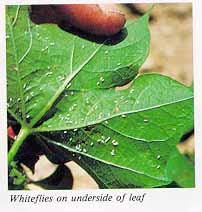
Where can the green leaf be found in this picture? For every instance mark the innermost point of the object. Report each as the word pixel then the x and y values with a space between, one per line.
pixel 146 136
pixel 154 108
pixel 17 179
pixel 42 60
pixel 116 161
pixel 167 111
pixel 60 81
pixel 181 170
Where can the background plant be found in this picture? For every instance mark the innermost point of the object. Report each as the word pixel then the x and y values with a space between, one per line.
pixel 62 90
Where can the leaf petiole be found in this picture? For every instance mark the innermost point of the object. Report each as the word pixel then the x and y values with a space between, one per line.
pixel 24 132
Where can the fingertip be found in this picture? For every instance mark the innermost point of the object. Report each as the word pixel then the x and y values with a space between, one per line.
pixel 115 23
pixel 40 14
pixel 91 18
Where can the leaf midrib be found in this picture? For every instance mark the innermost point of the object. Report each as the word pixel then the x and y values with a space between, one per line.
pixel 101 160
pixel 44 129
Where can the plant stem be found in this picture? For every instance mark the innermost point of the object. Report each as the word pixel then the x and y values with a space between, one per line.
pixel 24 132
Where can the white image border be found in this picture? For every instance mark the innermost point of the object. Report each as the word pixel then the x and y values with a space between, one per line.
pixel 157 200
